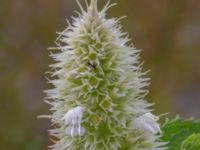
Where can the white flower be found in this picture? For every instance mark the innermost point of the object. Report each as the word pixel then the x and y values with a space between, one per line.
pixel 73 119
pixel 147 122
pixel 75 130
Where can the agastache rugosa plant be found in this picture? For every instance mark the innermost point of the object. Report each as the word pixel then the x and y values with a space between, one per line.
pixel 98 100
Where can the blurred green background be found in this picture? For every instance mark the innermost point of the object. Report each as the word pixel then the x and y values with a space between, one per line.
pixel 168 32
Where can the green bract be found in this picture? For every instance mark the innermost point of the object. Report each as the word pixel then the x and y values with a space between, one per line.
pixel 98 100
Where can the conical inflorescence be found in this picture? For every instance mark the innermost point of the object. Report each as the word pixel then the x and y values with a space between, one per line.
pixel 97 102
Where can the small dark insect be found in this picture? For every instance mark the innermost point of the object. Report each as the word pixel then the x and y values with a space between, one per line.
pixel 93 66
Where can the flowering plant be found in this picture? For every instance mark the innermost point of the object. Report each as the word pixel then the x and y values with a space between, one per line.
pixel 98 101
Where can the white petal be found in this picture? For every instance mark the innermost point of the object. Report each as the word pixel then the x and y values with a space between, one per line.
pixel 73 115
pixel 147 122
pixel 75 131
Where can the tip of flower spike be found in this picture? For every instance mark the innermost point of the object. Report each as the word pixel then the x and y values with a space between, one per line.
pixel 93 3
pixel 93 7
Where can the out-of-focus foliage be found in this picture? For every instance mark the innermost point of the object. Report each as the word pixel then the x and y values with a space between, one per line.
pixel 166 30
pixel 181 135
pixel 191 143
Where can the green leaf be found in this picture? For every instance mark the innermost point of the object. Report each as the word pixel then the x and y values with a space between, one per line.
pixel 177 130
pixel 191 143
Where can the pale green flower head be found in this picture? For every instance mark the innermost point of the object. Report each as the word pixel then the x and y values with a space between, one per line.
pixel 98 98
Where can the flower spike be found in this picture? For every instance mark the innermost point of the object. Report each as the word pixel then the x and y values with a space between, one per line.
pixel 97 102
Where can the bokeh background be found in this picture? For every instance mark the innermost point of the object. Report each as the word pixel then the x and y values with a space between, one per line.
pixel 168 32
